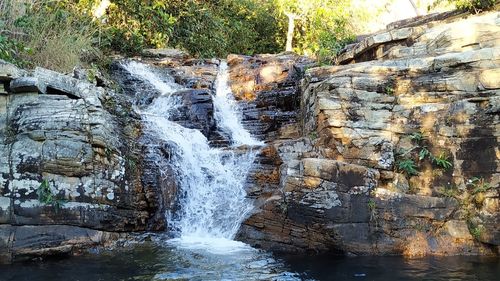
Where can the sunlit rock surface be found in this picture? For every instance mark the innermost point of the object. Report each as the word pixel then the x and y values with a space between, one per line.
pixel 328 177
pixel 80 140
pixel 332 181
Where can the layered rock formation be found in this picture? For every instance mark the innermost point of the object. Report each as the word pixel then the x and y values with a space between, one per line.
pixel 69 165
pixel 267 88
pixel 398 148
pixel 393 151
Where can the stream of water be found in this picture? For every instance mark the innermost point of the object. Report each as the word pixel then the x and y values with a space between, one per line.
pixel 157 260
pixel 213 200
pixel 213 204
pixel 227 112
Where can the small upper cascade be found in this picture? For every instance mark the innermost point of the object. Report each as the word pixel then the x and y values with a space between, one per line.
pixel 227 113
pixel 164 84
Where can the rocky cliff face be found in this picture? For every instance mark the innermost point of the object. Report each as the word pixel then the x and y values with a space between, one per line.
pixel 397 148
pixel 393 151
pixel 69 165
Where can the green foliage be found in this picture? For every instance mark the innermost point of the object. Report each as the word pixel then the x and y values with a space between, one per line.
pixel 283 207
pixel 408 166
pixel 389 90
pixel 476 231
pixel 417 137
pixel 204 28
pixel 130 26
pixel 423 153
pixel 49 34
pixel 371 205
pixel 473 5
pixel 442 160
pixel 132 163
pixel 46 197
pixel 10 50
pixel 63 33
pixel 479 185
pixel 44 193
pixel 448 191
pixel 313 135
pixel 322 29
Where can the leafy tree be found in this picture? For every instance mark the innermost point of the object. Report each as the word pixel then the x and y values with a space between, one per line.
pixel 470 5
pixel 61 33
pixel 323 26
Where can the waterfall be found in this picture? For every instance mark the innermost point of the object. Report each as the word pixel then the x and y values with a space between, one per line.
pixel 212 200
pixel 227 113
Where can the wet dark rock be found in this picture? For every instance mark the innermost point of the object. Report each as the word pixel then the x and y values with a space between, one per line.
pixel 129 84
pixel 33 242
pixel 196 112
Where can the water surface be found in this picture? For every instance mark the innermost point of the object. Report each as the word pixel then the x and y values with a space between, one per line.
pixel 175 260
pixel 392 268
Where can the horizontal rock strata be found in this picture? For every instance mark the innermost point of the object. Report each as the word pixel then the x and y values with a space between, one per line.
pixel 69 165
pixel 398 149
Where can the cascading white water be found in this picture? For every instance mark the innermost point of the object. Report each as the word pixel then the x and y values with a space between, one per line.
pixel 164 84
pixel 213 201
pixel 227 113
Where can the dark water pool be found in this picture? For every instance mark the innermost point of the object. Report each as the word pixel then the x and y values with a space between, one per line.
pixel 167 261
pixel 397 268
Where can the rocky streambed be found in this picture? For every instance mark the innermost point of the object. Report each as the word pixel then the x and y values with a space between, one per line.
pixel 394 151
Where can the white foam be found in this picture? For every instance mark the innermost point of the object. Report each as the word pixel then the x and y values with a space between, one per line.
pixel 212 245
pixel 212 197
pixel 227 112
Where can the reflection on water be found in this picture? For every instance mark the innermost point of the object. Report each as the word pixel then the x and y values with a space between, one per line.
pixel 189 260
pixel 171 260
pixel 396 268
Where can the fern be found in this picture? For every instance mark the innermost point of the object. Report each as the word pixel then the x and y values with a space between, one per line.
pixel 424 152
pixel 442 161
pixel 408 166
pixel 417 137
pixel 46 197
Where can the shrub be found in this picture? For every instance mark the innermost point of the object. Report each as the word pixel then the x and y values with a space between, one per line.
pixel 204 28
pixel 54 36
pixel 478 185
pixel 417 137
pixel 476 231
pixel 448 191
pixel 131 26
pixel 474 5
pixel 322 29
pixel 63 33
pixel 10 50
